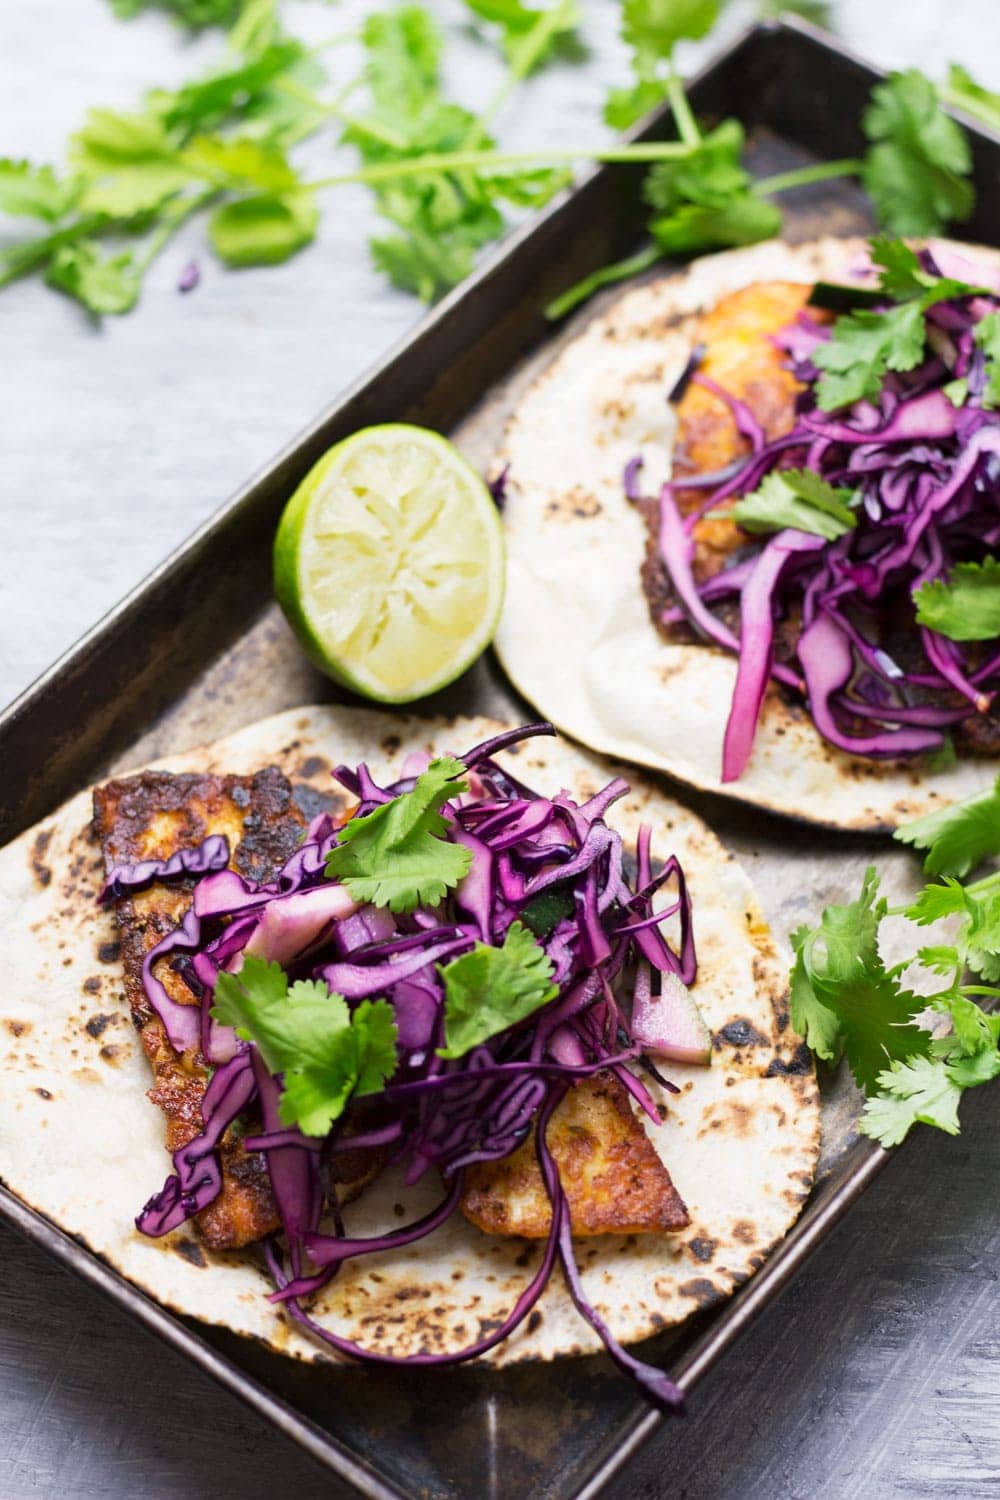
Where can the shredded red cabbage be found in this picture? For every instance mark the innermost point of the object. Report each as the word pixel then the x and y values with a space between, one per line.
pixel 122 880
pixel 549 862
pixel 927 478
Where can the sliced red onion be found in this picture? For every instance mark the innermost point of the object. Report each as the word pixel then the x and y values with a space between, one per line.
pixel 754 671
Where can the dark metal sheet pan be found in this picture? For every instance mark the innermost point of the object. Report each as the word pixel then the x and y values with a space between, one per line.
pixel 196 650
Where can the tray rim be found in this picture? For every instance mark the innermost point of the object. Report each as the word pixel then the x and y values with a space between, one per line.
pixel 806 1235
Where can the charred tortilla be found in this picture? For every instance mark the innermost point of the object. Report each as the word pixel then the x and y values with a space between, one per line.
pixel 577 635
pixel 739 1142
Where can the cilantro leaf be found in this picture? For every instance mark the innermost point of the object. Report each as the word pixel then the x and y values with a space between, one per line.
pixel 987 336
pixel 902 276
pixel 194 14
pixel 710 175
pixel 255 28
pixel 257 1002
pixel 693 227
pixel 963 90
pixel 917 169
pixel 206 103
pixel 529 37
pixel 940 958
pixel 937 901
pixel 978 937
pixel 652 28
pixel 816 1022
pixel 354 1061
pixel 130 161
pixel 863 347
pixel 957 837
pixel 326 1053
pixel 32 192
pixel 490 989
pixel 624 106
pixel 973 1031
pixel 103 284
pixel 263 230
pixel 403 55
pixel 980 934
pixel 241 162
pixel 920 1089
pixel 966 605
pixel 398 855
pixel 704 200
pixel 796 498
pixel 440 218
pixel 839 972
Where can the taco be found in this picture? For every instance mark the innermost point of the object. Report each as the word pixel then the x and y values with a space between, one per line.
pixel 642 1108
pixel 716 547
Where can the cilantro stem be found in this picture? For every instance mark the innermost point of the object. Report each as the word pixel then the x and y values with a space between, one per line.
pixel 454 161
pixel 173 219
pixel 523 59
pixel 687 125
pixel 339 39
pixel 783 182
pixel 606 276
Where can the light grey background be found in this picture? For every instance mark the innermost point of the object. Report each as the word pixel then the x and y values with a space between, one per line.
pixel 879 1373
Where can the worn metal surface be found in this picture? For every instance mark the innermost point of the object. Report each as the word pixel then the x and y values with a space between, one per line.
pixel 473 1432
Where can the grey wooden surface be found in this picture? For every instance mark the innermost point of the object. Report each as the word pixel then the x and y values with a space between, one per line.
pixel 878 1374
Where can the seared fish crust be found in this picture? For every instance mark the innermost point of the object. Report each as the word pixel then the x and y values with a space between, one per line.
pixel 151 817
pixel 614 1181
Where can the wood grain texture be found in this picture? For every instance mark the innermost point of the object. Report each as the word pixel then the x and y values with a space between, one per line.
pixel 878 1374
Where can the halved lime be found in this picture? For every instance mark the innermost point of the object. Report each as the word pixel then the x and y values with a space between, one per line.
pixel 389 563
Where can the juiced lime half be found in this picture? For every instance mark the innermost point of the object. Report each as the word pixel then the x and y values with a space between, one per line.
pixel 389 563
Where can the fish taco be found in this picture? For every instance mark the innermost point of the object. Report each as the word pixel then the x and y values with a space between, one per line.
pixel 420 1010
pixel 752 515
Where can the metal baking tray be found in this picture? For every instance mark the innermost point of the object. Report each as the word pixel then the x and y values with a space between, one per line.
pixel 193 653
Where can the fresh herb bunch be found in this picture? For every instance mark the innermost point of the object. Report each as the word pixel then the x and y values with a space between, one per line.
pixel 916 170
pixel 918 1034
pixel 224 144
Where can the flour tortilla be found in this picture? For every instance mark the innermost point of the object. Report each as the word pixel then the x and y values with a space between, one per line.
pixel 80 1141
pixel 575 635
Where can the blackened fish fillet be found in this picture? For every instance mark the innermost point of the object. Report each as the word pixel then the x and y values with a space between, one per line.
pixel 151 817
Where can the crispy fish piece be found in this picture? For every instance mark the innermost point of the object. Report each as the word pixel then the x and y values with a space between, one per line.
pixel 614 1181
pixel 151 817
pixel 740 357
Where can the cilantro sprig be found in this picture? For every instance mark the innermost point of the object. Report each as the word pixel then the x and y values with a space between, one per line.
pixel 398 855
pixel 916 169
pixel 800 499
pixel 964 606
pixel 326 1053
pixel 224 143
pixel 846 1002
pixel 490 989
pixel 867 343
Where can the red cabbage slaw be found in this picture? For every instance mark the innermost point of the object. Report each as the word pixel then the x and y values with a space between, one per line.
pixel 547 861
pixel 926 476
